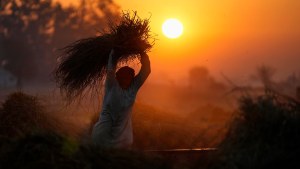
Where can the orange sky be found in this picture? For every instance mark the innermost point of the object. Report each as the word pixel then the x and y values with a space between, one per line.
pixel 229 36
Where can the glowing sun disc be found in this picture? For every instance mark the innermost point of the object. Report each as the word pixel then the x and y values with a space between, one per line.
pixel 172 28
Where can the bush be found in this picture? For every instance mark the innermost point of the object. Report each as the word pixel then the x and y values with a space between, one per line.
pixel 22 114
pixel 265 134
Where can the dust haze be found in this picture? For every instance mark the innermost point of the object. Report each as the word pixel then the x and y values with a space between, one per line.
pixel 189 101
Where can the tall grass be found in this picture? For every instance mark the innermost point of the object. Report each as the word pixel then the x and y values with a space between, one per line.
pixel 264 134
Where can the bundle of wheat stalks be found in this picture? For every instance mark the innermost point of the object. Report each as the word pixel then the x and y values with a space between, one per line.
pixel 83 63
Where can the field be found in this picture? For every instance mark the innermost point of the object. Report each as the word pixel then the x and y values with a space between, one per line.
pixel 261 126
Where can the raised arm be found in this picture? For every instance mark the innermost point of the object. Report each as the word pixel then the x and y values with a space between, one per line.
pixel 111 69
pixel 144 72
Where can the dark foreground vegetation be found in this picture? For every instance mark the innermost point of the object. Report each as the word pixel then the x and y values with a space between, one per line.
pixel 265 133
pixel 48 150
pixel 30 138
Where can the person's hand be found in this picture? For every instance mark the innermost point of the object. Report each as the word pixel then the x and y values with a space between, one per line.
pixel 144 57
pixel 143 54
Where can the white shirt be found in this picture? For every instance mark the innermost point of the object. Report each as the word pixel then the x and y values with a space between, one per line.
pixel 114 127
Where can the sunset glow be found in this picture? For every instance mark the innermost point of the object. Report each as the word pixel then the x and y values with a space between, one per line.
pixel 221 35
pixel 127 81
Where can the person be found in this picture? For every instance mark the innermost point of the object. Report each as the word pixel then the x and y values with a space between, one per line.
pixel 114 128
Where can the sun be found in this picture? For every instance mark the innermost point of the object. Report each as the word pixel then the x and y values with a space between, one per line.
pixel 172 28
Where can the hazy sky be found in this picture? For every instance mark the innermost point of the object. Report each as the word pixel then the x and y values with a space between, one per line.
pixel 229 36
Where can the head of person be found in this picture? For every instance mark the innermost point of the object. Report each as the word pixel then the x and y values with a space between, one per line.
pixel 125 76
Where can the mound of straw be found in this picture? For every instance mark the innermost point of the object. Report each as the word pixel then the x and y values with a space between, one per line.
pixel 23 114
pixel 84 63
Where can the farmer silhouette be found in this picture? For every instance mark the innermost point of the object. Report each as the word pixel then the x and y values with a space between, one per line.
pixel 114 128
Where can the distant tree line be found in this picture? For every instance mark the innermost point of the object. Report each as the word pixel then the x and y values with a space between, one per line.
pixel 203 82
pixel 33 31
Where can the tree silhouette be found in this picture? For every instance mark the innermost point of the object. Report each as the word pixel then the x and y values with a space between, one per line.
pixel 198 75
pixel 200 80
pixel 31 31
